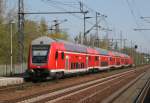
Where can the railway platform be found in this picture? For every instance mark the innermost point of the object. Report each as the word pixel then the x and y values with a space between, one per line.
pixel 5 81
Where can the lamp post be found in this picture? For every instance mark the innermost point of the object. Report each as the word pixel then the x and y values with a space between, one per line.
pixel 11 46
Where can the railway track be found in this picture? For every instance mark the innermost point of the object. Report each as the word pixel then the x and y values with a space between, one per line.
pixel 40 94
pixel 84 93
pixel 144 92
pixel 30 84
pixel 12 87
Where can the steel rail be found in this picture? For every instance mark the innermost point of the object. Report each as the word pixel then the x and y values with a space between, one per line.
pixel 111 98
pixel 143 93
pixel 87 85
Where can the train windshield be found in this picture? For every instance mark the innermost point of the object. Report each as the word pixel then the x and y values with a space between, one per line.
pixel 40 53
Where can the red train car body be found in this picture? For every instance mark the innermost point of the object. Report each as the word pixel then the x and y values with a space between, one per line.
pixel 55 58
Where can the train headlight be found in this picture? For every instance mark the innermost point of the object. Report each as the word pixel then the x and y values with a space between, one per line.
pixel 32 70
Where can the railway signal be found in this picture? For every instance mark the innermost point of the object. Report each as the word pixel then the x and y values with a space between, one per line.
pixel 136 46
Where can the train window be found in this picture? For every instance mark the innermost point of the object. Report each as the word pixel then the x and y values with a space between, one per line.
pixel 56 55
pixel 110 58
pixel 96 58
pixel 104 63
pixel 118 63
pixel 77 66
pixel 40 53
pixel 113 59
pixel 89 58
pixel 62 55
pixel 72 65
pixel 82 65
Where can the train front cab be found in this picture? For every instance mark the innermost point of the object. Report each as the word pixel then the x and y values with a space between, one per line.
pixel 38 61
pixel 39 58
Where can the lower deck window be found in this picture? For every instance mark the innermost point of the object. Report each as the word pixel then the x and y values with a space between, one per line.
pixel 82 65
pixel 72 65
pixel 77 65
pixel 118 63
pixel 96 58
pixel 105 63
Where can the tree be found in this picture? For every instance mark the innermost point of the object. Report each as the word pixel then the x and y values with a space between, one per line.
pixel 31 31
pixel 4 43
pixel 62 35
pixel 1 11
pixel 43 27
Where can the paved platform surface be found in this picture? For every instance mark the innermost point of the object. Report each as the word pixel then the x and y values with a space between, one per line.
pixel 5 81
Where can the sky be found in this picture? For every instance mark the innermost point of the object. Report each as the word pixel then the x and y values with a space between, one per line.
pixel 122 16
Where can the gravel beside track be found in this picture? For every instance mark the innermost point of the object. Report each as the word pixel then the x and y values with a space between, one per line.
pixel 96 92
pixel 25 93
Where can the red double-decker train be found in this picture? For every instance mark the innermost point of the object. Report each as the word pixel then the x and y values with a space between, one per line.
pixel 56 58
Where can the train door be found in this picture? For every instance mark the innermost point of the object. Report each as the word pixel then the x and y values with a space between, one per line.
pixel 100 61
pixel 87 61
pixel 61 60
pixel 67 62
pixel 96 61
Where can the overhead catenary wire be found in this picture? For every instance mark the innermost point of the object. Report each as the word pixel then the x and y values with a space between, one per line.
pixel 135 18
pixel 71 6
pixel 55 5
pixel 132 13
pixel 87 7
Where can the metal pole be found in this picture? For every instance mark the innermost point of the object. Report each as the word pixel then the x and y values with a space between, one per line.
pixel 148 57
pixel 120 41
pixel 141 60
pixel 97 22
pixel 84 28
pixel 11 68
pixel 21 31
pixel 131 49
pixel 124 43
pixel 97 29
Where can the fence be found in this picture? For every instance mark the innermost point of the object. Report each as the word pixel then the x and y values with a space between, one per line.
pixel 5 69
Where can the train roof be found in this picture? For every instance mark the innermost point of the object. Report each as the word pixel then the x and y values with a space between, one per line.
pixel 116 54
pixel 92 51
pixel 68 46
pixel 42 40
pixel 111 53
pixel 122 55
pixel 102 51
pixel 126 55
pixel 75 47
